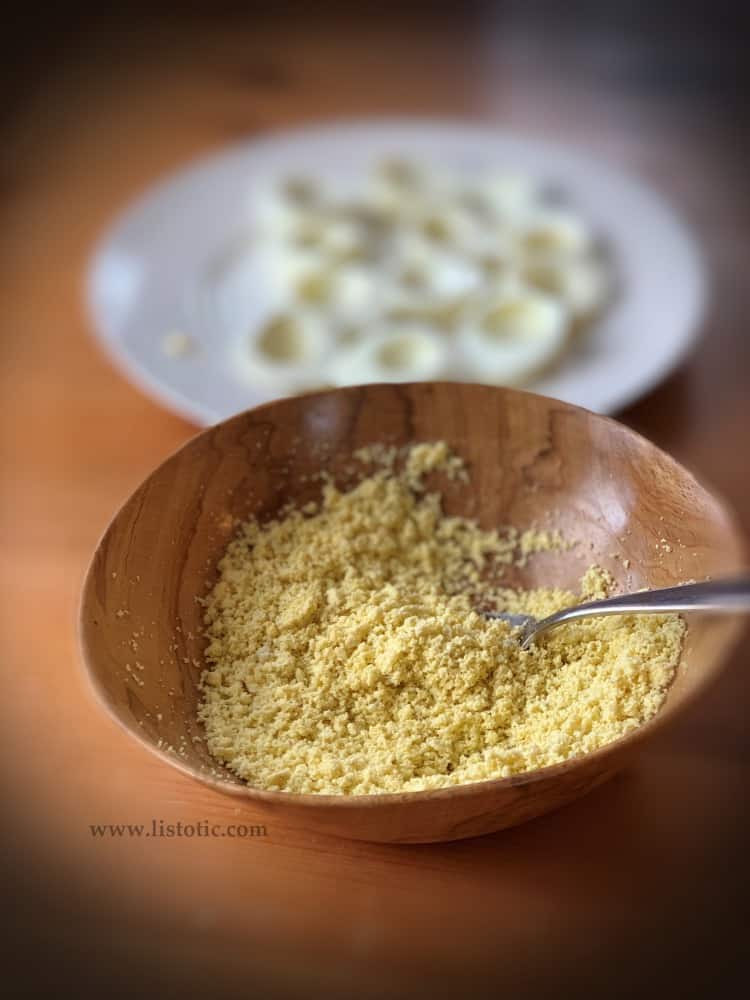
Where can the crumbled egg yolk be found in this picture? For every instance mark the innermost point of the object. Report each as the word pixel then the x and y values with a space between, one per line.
pixel 346 657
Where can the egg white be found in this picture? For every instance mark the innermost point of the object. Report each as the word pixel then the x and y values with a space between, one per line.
pixel 285 362
pixel 512 335
pixel 402 354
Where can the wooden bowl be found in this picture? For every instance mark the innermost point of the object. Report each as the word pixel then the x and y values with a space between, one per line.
pixel 641 516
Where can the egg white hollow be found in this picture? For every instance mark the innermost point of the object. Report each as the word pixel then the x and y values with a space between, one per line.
pixel 511 336
pixel 405 353
pixel 288 352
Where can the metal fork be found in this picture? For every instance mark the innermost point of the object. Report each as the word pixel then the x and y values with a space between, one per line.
pixel 726 596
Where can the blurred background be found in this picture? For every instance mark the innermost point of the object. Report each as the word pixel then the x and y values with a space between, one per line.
pixel 640 885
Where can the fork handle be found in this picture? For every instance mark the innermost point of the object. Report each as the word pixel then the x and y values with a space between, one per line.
pixel 729 596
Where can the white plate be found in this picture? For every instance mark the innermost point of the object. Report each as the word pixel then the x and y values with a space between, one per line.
pixel 181 259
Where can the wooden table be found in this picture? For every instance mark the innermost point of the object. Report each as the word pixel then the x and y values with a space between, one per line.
pixel 642 878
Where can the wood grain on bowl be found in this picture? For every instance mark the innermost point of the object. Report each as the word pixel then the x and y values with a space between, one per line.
pixel 532 460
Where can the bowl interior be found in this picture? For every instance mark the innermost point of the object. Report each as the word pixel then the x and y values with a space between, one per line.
pixel 532 461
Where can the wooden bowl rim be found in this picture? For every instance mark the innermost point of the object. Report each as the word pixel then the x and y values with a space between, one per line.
pixel 733 629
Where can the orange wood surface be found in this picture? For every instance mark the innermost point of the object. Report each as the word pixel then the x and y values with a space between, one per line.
pixel 568 895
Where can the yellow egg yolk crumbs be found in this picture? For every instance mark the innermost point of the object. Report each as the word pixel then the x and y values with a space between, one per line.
pixel 345 655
